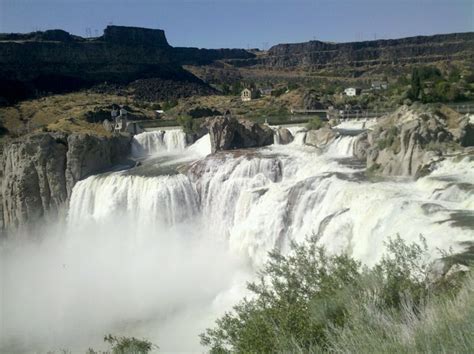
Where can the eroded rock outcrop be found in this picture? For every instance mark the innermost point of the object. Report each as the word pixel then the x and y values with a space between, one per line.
pixel 321 137
pixel 404 142
pixel 40 170
pixel 228 133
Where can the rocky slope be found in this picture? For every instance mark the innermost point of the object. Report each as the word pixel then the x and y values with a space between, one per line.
pixel 406 142
pixel 38 172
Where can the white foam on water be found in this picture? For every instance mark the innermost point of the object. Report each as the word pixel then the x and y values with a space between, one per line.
pixel 159 141
pixel 145 255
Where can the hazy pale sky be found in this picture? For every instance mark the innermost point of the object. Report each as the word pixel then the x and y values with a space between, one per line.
pixel 245 23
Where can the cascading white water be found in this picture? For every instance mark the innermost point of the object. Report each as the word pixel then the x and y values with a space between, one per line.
pixel 263 200
pixel 155 142
pixel 343 146
pixel 316 196
pixel 144 251
pixel 164 200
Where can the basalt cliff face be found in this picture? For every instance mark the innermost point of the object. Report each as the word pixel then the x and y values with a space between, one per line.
pixel 55 61
pixel 39 171
pixel 412 50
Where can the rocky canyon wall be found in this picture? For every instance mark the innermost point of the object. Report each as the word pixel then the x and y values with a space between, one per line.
pixel 39 171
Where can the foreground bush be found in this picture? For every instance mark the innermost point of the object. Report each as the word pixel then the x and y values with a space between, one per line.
pixel 310 301
pixel 126 345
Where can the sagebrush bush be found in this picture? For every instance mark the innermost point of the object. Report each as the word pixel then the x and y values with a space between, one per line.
pixel 310 301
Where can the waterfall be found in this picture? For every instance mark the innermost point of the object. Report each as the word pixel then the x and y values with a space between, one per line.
pixel 265 199
pixel 343 146
pixel 153 244
pixel 297 132
pixel 155 142
pixel 202 147
pixel 165 200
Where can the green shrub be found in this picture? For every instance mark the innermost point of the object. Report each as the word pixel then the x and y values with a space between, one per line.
pixel 315 124
pixel 169 104
pixel 310 301
pixel 189 124
pixel 391 140
pixel 125 345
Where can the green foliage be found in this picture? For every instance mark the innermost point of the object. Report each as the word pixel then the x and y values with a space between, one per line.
pixel 429 86
pixel 169 104
pixel 125 345
pixel 293 86
pixel 289 287
pixel 428 73
pixel 236 88
pixel 189 124
pixel 310 301
pixel 200 112
pixel 443 324
pixel 315 124
pixel 391 140
pixel 416 87
pixel 278 91
pixel 155 106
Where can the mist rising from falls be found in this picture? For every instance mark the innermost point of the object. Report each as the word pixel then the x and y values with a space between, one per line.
pixel 155 142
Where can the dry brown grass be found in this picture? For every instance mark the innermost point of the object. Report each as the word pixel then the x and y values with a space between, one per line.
pixel 73 125
pixel 236 106
pixel 53 112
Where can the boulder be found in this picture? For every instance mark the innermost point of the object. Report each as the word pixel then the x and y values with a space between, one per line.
pixel 321 137
pixel 406 142
pixel 228 133
pixel 39 171
pixel 283 136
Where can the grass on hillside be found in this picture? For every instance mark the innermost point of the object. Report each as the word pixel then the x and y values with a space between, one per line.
pixel 65 112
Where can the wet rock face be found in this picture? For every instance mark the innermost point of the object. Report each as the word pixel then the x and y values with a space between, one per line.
pixel 361 146
pixel 229 133
pixel 284 136
pixel 89 154
pixel 40 170
pixel 33 178
pixel 321 137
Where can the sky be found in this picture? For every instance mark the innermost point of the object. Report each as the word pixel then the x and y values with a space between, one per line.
pixel 245 23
